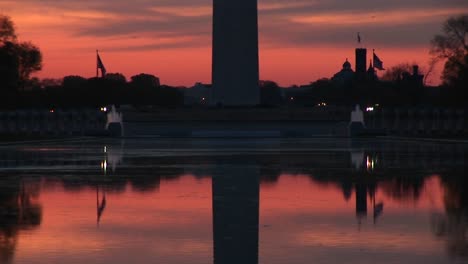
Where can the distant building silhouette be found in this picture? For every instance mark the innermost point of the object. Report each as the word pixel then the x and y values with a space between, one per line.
pixel 362 74
pixel 413 80
pixel 345 76
pixel 361 67
pixel 199 94
pixel 371 74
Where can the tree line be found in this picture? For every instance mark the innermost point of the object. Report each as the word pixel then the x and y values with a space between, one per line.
pixel 77 91
pixel 398 86
pixel 18 60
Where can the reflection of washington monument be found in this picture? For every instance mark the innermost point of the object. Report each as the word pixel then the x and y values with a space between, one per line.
pixel 236 215
pixel 235 52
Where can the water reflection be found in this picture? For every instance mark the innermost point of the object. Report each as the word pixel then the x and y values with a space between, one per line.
pixel 18 212
pixel 315 201
pixel 453 226
pixel 235 215
pixel 100 203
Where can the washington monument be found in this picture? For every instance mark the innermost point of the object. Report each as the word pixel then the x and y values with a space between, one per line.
pixel 235 53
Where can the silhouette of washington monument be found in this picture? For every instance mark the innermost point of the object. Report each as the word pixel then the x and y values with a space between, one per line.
pixel 235 53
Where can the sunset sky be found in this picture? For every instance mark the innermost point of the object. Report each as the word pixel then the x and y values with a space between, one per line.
pixel 300 40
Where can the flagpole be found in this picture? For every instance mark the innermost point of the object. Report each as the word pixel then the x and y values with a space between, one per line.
pixel 97 54
pixel 373 57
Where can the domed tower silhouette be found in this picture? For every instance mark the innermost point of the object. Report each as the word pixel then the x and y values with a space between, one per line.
pixel 235 72
pixel 345 76
pixel 347 65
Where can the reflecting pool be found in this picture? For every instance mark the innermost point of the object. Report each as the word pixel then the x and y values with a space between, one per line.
pixel 228 201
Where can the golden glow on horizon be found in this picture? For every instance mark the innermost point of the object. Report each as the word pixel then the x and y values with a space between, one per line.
pixel 180 59
pixel 382 17
pixel 182 66
pixel 189 11
pixel 262 6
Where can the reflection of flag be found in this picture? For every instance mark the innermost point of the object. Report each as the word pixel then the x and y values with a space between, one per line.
pixel 378 63
pixel 378 209
pixel 100 65
pixel 100 206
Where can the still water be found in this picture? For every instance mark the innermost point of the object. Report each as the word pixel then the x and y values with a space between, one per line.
pixel 234 201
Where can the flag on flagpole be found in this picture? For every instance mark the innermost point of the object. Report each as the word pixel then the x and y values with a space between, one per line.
pixel 378 63
pixel 100 65
pixel 359 38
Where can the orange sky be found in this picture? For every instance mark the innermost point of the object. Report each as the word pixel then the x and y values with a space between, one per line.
pixel 300 41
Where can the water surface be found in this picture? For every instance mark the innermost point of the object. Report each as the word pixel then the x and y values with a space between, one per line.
pixel 233 201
